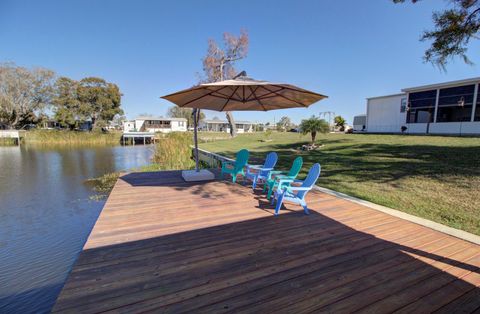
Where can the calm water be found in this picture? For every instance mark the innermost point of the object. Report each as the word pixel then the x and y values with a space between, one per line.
pixel 46 215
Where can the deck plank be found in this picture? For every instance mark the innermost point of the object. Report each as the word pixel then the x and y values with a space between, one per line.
pixel 161 244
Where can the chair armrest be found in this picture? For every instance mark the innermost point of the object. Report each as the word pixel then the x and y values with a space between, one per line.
pixel 299 188
pixel 276 172
pixel 284 181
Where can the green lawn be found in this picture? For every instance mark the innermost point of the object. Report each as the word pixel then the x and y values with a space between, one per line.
pixel 433 177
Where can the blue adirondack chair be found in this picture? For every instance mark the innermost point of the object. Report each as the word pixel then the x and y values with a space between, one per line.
pixel 274 177
pixel 296 194
pixel 236 167
pixel 257 173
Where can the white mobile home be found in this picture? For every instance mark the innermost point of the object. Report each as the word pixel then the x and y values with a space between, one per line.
pixel 359 123
pixel 223 126
pixel 445 108
pixel 155 124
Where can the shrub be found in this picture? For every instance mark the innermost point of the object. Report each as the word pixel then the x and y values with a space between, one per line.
pixel 174 152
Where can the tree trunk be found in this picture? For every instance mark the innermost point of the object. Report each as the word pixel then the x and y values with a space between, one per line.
pixel 314 134
pixel 231 122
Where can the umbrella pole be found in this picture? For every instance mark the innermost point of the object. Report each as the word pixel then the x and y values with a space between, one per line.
pixel 195 139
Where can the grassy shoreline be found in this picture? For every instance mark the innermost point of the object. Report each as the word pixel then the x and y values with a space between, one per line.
pixel 433 177
pixel 64 137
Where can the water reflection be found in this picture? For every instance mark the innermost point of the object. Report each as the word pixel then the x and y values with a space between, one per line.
pixel 46 215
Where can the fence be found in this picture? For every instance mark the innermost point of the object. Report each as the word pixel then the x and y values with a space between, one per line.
pixel 212 160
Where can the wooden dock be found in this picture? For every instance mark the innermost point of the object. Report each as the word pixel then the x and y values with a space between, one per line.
pixel 163 245
pixel 15 135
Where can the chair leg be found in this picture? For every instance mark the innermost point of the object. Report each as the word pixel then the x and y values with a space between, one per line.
pixel 305 208
pixel 270 191
pixel 279 204
pixel 254 182
pixel 234 177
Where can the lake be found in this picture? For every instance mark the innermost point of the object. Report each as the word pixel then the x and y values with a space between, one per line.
pixel 46 215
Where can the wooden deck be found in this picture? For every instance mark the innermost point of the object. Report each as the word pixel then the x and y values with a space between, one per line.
pixel 163 245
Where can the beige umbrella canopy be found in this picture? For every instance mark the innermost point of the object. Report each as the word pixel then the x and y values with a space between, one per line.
pixel 244 94
pixel 241 94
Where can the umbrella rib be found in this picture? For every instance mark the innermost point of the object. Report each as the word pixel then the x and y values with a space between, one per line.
pixel 209 94
pixel 285 97
pixel 225 97
pixel 252 92
pixel 267 95
pixel 299 90
pixel 228 99
pixel 184 91
pixel 256 98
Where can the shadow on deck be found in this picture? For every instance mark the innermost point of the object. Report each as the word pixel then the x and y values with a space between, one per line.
pixel 164 245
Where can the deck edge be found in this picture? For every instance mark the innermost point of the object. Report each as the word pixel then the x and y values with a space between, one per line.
pixel 463 235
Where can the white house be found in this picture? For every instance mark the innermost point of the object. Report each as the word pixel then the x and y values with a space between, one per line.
pixel 359 123
pixel 223 126
pixel 444 108
pixel 155 124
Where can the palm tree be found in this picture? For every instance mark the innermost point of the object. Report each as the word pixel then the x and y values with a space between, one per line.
pixel 313 126
pixel 340 123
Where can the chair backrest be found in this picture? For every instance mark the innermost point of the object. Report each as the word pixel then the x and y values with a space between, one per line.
pixel 242 159
pixel 270 162
pixel 296 167
pixel 310 180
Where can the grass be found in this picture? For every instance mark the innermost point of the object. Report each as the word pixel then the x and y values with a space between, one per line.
pixel 64 137
pixel 433 177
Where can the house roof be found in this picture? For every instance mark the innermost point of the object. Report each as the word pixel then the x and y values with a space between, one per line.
pixel 444 84
pixel 226 122
pixel 386 96
pixel 159 118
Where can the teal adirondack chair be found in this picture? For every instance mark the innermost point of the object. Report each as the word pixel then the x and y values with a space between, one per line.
pixel 261 173
pixel 237 167
pixel 296 194
pixel 274 177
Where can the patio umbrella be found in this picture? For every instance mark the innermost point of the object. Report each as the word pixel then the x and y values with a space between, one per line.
pixel 241 94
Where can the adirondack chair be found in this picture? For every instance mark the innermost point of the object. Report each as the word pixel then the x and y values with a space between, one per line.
pixel 274 177
pixel 258 173
pixel 236 167
pixel 296 194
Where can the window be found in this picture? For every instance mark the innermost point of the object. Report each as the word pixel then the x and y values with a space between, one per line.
pixel 181 123
pixel 421 106
pixel 455 104
pixel 403 104
pixel 477 110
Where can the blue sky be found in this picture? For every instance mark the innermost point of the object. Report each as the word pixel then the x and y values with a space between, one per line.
pixel 348 50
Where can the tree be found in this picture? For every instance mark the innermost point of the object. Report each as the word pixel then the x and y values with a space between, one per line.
pixel 340 122
pixel 284 124
pixel 187 113
pixel 218 64
pixel 454 28
pixel 99 101
pixel 66 102
pixel 23 93
pixel 313 126
pixel 90 99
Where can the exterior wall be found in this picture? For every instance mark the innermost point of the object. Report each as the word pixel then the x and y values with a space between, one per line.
pixel 455 128
pixel 128 126
pixel 450 128
pixel 384 114
pixel 416 128
pixel 175 126
pixel 360 123
pixel 139 124
pixel 224 127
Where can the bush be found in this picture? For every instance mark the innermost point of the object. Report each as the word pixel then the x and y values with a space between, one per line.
pixel 174 152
